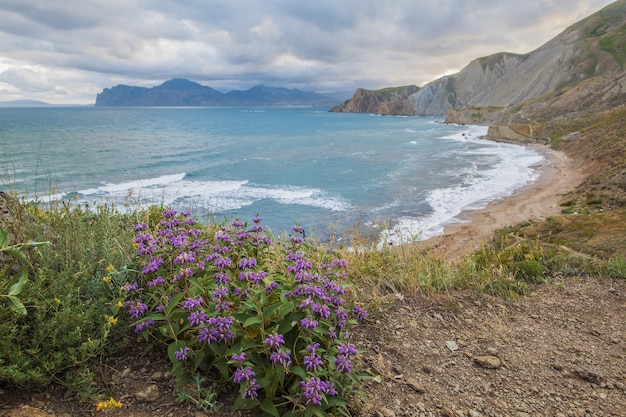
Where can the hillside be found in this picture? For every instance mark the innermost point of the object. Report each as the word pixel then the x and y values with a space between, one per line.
pixel 589 55
pixel 182 92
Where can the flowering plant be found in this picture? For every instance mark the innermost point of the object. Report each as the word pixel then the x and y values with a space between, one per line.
pixel 261 314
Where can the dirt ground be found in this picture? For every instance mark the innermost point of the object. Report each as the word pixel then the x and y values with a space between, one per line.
pixel 560 351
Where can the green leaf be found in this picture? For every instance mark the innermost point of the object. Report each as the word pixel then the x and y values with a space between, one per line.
pixel 223 368
pixel 4 239
pixel 252 320
pixel 268 406
pixel 16 305
pixel 16 288
pixel 174 303
pixel 299 371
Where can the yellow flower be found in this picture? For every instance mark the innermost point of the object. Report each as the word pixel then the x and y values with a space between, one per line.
pixel 111 319
pixel 110 403
pixel 120 304
pixel 110 268
pixel 106 279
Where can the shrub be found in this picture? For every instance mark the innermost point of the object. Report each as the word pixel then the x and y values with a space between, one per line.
pixel 261 315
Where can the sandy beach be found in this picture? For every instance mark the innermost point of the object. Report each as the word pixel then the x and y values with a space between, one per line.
pixel 539 200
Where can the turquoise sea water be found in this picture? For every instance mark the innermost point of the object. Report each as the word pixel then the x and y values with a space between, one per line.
pixel 322 170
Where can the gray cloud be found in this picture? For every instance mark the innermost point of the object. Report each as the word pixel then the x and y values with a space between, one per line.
pixel 69 50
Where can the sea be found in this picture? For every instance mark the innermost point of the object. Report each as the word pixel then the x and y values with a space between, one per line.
pixel 407 177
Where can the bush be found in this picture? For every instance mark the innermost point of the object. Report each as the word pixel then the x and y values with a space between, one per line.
pixel 258 314
pixel 70 299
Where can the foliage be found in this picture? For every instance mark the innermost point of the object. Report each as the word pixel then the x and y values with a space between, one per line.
pixel 258 314
pixel 70 299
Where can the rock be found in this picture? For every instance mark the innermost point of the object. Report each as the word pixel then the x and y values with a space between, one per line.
pixel 447 412
pixel 150 394
pixel 385 412
pixel 488 361
pixel 588 375
pixel 415 385
pixel 492 351
pixel 28 411
pixel 452 345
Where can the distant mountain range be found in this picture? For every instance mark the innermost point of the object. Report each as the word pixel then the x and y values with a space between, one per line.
pixel 182 92
pixel 579 71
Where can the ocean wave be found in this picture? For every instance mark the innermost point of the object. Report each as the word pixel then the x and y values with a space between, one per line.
pixel 515 169
pixel 178 190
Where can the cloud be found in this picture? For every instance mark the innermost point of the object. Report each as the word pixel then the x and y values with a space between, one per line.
pixel 68 51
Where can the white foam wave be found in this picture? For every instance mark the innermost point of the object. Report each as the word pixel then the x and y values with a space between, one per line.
pixel 516 168
pixel 213 196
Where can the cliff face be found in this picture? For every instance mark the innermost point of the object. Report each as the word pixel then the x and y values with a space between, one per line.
pixel 386 101
pixel 592 49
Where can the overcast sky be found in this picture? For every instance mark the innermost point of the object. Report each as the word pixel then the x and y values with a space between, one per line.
pixel 67 51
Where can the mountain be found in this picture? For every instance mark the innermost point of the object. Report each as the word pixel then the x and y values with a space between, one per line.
pixel 585 62
pixel 386 101
pixel 182 92
pixel 24 103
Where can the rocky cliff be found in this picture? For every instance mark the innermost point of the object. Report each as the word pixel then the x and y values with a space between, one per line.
pixel 386 101
pixel 590 55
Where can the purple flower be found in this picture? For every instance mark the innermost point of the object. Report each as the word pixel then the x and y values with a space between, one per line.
pixel 308 324
pixel 275 340
pixel 197 317
pixel 347 349
pixel 143 325
pixel 270 287
pixel 343 363
pixel 239 358
pixel 250 390
pixel 247 263
pixel 130 287
pixel 281 357
pixel 257 219
pixel 153 265
pixel 181 354
pixel 140 227
pixel 312 361
pixel 217 330
pixel 360 313
pixel 137 309
pixel 237 223
pixel 183 257
pixel 314 388
pixel 169 213
pixel 192 303
pixel 243 374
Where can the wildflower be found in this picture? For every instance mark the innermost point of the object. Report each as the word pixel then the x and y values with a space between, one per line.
pixel 281 357
pixel 106 279
pixel 314 388
pixel 270 287
pixel 110 403
pixel 217 330
pixel 111 319
pixel 247 263
pixel 237 223
pixel 239 358
pixel 308 324
pixel 242 374
pixel 312 361
pixel 360 313
pixel 197 317
pixel 192 303
pixel 182 353
pixel 110 268
pixel 137 309
pixel 275 340
pixel 250 390
pixel 140 327
pixel 256 219
pixel 140 227
pixel 130 287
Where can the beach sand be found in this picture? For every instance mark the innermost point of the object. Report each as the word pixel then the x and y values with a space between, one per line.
pixel 539 200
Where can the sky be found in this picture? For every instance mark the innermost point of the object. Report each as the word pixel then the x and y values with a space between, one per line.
pixel 67 51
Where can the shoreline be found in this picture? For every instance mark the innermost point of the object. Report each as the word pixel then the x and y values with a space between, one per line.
pixel 558 175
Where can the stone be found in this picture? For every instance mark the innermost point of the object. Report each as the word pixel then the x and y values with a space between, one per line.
pixel 488 361
pixel 415 385
pixel 150 394
pixel 452 345
pixel 589 376
pixel 447 412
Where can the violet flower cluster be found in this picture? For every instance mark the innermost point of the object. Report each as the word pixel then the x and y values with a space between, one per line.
pixel 203 289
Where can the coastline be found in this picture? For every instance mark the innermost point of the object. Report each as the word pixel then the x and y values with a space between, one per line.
pixel 558 175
